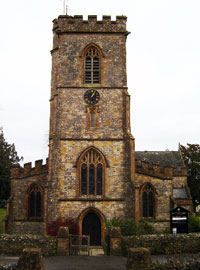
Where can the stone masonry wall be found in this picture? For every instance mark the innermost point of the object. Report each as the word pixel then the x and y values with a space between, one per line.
pixel 71 24
pixel 165 244
pixel 72 115
pixel 14 244
pixel 70 134
pixel 71 61
pixel 25 227
pixel 163 189
pixel 20 194
pixel 21 180
pixel 65 198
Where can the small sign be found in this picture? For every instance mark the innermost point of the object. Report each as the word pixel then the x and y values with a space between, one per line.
pixel 179 220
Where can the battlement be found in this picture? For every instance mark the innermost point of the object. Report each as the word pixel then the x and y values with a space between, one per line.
pixel 155 170
pixel 75 23
pixel 18 172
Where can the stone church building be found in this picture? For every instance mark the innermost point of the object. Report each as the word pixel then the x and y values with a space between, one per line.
pixel 93 172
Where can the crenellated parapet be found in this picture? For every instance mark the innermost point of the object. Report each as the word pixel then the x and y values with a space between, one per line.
pixel 76 24
pixel 155 170
pixel 20 172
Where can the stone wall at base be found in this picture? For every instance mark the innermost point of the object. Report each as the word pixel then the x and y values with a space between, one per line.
pixel 165 244
pixel 14 244
pixel 26 227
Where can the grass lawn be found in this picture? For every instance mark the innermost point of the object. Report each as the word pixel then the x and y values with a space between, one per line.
pixel 2 215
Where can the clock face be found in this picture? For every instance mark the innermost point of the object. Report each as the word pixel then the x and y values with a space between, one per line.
pixel 91 96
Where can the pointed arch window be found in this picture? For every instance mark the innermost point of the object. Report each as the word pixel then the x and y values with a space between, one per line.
pixel 35 202
pixel 91 173
pixel 148 201
pixel 92 66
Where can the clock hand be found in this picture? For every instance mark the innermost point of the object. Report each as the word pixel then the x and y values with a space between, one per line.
pixel 92 94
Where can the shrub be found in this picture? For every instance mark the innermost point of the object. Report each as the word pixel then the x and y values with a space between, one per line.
pixel 194 223
pixel 52 228
pixel 130 227
pixel 3 203
pixel 115 222
pixel 2 216
pixel 146 227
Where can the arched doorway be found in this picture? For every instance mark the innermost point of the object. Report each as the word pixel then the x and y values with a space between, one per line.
pixel 91 225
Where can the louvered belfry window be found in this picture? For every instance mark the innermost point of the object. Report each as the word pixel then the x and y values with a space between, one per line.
pixel 148 201
pixel 92 66
pixel 91 173
pixel 35 202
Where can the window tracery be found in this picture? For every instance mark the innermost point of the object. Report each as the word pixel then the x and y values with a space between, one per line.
pixel 148 201
pixel 91 173
pixel 92 66
pixel 35 202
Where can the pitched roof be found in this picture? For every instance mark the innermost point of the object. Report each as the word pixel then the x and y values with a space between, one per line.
pixel 180 193
pixel 163 158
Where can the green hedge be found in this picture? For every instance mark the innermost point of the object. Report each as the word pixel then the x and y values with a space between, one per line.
pixel 194 223
pixel 2 216
pixel 130 227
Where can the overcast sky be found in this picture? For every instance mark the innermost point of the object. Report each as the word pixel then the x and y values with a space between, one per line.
pixel 163 59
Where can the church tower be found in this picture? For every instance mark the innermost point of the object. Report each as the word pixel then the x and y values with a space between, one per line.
pixel 91 149
pixel 93 174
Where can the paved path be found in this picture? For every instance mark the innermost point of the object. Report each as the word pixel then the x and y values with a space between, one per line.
pixel 100 262
pixel 85 262
pixel 77 262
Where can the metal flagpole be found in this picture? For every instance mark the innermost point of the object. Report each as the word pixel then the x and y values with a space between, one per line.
pixel 64 7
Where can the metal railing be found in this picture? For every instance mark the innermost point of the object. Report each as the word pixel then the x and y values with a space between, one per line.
pixel 79 245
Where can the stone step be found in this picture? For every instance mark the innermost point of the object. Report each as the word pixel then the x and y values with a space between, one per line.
pixel 96 251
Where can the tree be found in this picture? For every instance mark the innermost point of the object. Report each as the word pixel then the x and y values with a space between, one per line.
pixel 191 157
pixel 8 157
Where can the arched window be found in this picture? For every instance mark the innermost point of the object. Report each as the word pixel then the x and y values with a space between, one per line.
pixel 91 173
pixel 148 201
pixel 35 202
pixel 92 66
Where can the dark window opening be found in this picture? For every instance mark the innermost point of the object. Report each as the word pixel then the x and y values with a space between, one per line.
pixel 91 174
pixel 32 204
pixel 92 180
pixel 35 202
pixel 84 179
pixel 99 179
pixel 148 201
pixel 38 205
pixel 151 204
pixel 92 67
pixel 145 205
